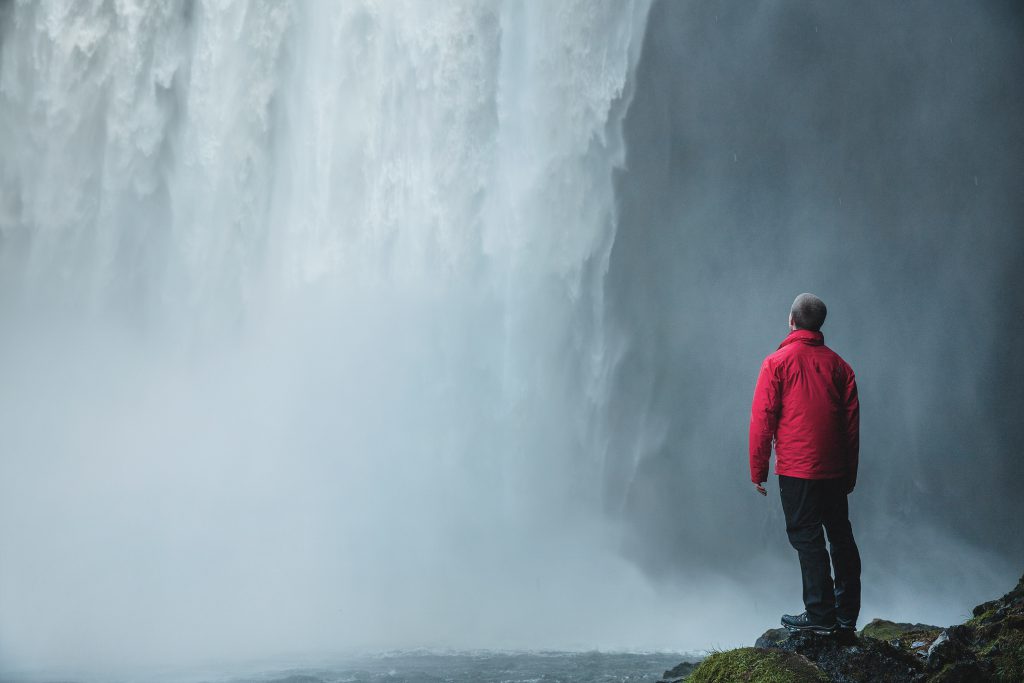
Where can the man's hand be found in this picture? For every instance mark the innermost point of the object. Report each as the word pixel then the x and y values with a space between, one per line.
pixel 760 488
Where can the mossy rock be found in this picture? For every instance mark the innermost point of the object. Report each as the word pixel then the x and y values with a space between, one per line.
pixel 988 647
pixel 985 617
pixel 679 671
pixel 1005 653
pixel 915 638
pixel 881 629
pixel 997 635
pixel 756 665
pixel 773 637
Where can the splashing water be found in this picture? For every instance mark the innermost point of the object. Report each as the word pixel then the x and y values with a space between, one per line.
pixel 303 343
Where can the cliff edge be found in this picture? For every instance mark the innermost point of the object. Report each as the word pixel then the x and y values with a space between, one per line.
pixel 987 647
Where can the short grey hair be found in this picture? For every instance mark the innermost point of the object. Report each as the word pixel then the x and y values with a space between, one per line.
pixel 808 312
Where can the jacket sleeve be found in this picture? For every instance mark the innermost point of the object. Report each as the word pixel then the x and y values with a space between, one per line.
pixel 764 418
pixel 851 424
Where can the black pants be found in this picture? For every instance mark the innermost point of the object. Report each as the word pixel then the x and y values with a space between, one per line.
pixel 809 505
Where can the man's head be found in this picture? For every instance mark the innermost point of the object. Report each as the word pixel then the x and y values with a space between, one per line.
pixel 808 313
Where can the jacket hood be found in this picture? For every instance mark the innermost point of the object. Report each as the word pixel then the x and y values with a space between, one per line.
pixel 805 336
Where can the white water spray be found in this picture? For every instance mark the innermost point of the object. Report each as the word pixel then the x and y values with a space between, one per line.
pixel 303 345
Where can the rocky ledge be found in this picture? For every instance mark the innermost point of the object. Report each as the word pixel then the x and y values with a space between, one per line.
pixel 987 647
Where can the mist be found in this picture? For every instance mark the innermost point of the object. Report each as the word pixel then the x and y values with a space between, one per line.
pixel 871 154
pixel 302 344
pixel 331 329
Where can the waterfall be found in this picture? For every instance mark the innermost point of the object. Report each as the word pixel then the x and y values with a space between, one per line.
pixel 303 326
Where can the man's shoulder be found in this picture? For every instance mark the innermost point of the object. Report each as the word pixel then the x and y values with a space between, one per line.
pixel 790 352
pixel 838 362
pixel 783 352
pixel 776 359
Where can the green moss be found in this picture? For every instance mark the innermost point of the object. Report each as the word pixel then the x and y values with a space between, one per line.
pixel 1008 656
pixel 977 621
pixel 948 673
pixel 880 629
pixel 902 635
pixel 756 665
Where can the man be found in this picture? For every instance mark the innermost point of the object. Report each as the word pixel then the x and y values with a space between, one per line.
pixel 806 403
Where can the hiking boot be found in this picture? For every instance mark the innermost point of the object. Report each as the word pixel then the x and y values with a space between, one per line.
pixel 805 624
pixel 846 631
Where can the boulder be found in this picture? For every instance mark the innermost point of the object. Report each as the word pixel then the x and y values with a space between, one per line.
pixel 772 637
pixel 678 673
pixel 853 659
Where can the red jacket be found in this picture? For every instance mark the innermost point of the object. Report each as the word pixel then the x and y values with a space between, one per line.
pixel 806 401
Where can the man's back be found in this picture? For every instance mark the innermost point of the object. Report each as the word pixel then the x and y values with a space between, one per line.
pixel 806 400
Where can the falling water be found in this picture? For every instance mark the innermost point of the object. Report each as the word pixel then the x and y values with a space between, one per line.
pixel 303 344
